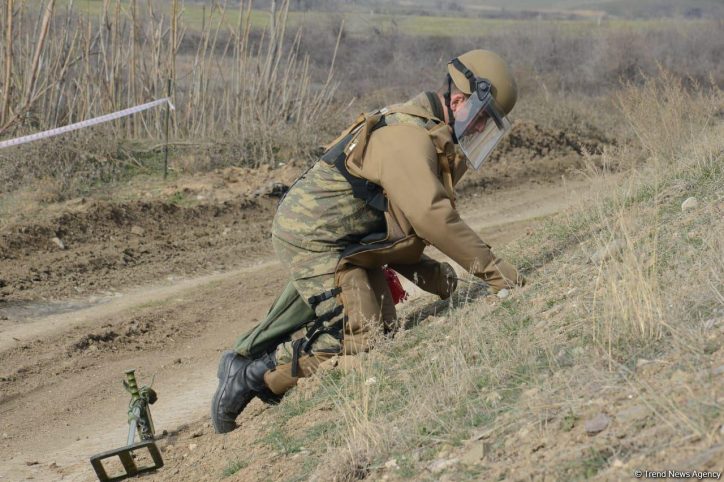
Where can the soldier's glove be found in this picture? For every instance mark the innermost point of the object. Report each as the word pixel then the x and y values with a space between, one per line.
pixel 503 275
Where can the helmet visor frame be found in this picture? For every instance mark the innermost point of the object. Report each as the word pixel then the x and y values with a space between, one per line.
pixel 479 125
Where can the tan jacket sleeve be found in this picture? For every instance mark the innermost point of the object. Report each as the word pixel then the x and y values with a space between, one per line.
pixel 408 172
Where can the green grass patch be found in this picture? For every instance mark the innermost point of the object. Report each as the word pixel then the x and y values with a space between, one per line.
pixel 234 467
pixel 589 465
pixel 282 441
pixel 569 421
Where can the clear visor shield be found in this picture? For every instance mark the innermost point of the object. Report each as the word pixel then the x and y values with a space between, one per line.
pixel 479 127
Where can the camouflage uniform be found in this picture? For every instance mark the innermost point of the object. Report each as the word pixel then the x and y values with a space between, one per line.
pixel 382 192
pixel 320 228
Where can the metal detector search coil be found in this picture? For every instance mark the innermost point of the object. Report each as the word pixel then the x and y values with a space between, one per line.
pixel 139 422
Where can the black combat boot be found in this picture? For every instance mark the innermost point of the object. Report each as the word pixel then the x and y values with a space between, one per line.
pixel 240 380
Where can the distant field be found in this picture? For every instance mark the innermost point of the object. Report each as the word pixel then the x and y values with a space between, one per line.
pixel 620 8
pixel 364 23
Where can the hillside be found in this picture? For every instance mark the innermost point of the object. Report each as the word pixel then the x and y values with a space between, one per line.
pixel 608 362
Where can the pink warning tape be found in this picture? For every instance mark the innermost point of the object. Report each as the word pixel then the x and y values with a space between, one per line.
pixel 86 123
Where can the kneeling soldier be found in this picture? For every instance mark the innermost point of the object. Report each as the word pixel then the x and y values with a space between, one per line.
pixel 383 190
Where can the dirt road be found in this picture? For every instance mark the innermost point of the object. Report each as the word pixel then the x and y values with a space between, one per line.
pixel 62 398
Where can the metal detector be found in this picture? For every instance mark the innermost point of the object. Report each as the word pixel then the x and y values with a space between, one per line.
pixel 139 422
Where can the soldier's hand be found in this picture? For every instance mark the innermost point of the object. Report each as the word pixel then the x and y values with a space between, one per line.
pixel 506 276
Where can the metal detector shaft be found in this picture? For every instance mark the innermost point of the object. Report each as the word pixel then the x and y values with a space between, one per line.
pixel 132 426
pixel 139 422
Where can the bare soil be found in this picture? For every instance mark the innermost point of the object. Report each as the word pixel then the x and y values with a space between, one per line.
pixel 164 287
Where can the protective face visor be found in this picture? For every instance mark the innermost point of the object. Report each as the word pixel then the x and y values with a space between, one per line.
pixel 479 125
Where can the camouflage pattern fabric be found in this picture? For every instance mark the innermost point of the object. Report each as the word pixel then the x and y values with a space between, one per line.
pixel 400 118
pixel 320 214
pixel 312 273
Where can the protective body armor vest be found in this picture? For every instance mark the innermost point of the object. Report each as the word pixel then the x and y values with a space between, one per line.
pixel 347 153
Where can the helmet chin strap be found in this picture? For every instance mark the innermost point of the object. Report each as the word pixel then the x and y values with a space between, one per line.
pixel 450 114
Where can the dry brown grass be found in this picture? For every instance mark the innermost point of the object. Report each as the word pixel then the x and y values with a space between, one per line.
pixel 254 94
pixel 650 259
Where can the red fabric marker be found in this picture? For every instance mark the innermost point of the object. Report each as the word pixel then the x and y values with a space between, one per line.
pixel 398 292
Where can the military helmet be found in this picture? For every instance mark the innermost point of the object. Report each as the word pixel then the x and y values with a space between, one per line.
pixel 480 122
pixel 488 65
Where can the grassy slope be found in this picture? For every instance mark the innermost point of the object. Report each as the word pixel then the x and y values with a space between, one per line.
pixel 491 388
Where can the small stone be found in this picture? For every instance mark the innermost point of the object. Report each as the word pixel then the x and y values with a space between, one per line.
pixel 562 357
pixel 718 370
pixel 370 381
pixel 617 463
pixel 58 242
pixel 690 203
pixel 596 424
pixel 392 464
pixel 192 447
pixel 138 231
pixel 31 462
pixel 197 433
pixel 504 293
